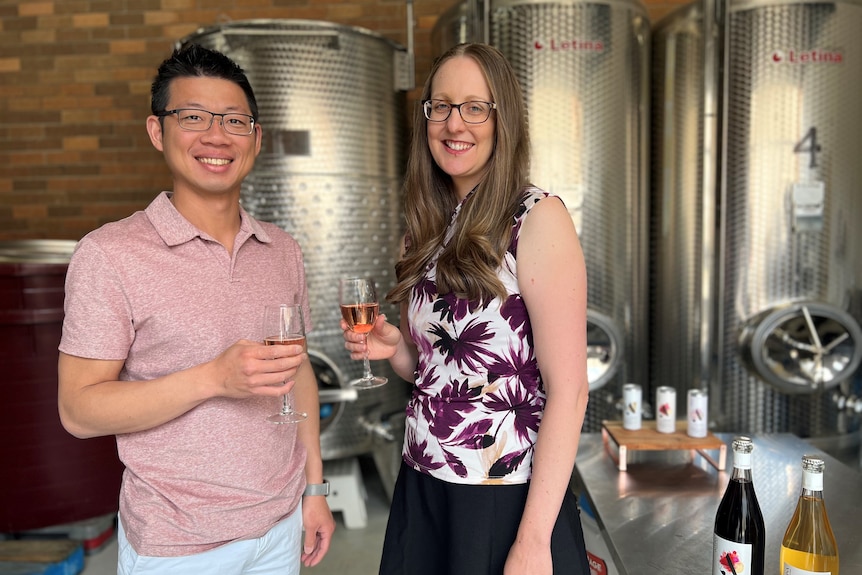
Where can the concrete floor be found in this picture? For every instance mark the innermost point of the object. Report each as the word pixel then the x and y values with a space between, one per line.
pixel 353 551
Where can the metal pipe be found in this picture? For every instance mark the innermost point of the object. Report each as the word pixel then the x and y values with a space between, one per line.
pixel 714 33
pixel 329 395
pixel 411 55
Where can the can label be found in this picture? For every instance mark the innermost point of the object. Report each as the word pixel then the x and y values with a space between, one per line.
pixel 632 399
pixel 665 401
pixel 697 413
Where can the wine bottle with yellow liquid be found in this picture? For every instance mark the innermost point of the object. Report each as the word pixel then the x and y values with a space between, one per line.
pixel 809 547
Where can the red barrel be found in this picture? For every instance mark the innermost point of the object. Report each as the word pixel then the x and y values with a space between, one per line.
pixel 48 477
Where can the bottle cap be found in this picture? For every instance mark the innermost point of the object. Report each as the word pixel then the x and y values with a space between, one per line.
pixel 813 464
pixel 742 444
pixel 742 448
pixel 812 472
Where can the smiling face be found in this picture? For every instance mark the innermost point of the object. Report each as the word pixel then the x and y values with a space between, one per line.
pixel 213 162
pixel 459 149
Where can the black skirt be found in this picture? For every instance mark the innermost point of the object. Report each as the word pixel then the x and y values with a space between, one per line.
pixel 441 528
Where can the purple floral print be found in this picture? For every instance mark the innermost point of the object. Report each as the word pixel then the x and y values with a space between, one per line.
pixel 478 398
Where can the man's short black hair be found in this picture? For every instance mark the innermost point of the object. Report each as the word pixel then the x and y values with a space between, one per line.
pixel 195 60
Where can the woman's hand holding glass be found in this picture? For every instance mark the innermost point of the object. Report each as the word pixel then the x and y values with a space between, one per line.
pixel 359 311
pixel 382 342
pixel 379 343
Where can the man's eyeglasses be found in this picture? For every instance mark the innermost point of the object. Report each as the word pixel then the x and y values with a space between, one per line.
pixel 195 120
pixel 475 112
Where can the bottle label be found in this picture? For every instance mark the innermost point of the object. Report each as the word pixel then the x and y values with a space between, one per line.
pixel 812 481
pixel 741 460
pixel 790 570
pixel 730 557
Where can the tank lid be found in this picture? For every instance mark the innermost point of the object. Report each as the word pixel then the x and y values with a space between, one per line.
pixel 742 5
pixel 285 27
pixel 635 5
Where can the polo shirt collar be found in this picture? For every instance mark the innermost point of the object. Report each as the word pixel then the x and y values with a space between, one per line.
pixel 174 229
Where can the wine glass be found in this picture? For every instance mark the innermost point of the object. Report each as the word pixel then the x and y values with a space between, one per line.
pixel 283 325
pixel 359 308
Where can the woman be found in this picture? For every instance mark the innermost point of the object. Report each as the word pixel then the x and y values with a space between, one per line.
pixel 492 292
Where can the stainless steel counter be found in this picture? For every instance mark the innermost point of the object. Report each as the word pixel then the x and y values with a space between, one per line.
pixel 657 517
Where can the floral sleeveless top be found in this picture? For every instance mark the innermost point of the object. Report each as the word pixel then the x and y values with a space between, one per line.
pixel 478 398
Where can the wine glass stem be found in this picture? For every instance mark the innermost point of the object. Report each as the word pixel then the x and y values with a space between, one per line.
pixel 366 362
pixel 286 407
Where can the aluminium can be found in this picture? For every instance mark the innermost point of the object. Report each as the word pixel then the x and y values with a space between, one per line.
pixel 696 417
pixel 665 409
pixel 632 406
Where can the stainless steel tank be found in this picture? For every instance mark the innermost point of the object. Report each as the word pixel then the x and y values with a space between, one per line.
pixel 331 102
pixel 757 284
pixel 584 70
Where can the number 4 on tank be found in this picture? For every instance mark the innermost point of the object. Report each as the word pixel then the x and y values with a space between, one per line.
pixel 808 145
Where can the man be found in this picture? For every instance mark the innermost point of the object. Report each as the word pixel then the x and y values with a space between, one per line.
pixel 162 347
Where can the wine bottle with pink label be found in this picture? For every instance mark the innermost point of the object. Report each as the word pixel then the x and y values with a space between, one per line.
pixel 739 537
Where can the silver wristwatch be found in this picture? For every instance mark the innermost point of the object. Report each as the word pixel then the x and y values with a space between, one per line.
pixel 316 489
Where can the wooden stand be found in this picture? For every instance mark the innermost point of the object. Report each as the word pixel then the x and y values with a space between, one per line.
pixel 648 439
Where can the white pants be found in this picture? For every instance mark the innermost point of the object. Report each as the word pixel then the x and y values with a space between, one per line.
pixel 277 551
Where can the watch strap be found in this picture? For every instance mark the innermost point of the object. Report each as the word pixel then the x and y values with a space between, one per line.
pixel 316 489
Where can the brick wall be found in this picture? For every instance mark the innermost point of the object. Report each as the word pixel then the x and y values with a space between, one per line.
pixel 74 92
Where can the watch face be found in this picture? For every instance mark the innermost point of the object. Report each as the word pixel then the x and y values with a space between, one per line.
pixel 805 347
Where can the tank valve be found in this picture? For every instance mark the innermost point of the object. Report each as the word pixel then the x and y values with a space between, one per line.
pixel 850 403
pixel 381 429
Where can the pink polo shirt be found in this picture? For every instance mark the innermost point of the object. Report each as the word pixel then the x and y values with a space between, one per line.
pixel 155 291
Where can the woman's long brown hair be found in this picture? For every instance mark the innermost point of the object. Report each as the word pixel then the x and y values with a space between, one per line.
pixel 468 265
